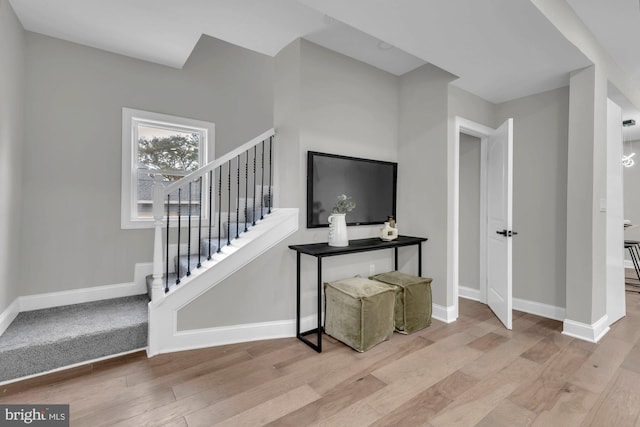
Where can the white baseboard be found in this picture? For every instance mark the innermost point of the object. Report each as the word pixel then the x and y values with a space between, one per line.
pixel 78 296
pixel 444 314
pixel 140 272
pixel 539 309
pixel 592 333
pixel 469 293
pixel 531 307
pixel 9 314
pixel 223 335
pixel 628 263
pixel 75 296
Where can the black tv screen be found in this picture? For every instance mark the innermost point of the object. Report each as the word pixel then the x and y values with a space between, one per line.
pixel 370 183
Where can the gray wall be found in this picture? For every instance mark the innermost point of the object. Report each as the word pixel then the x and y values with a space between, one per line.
pixel 470 107
pixel 422 177
pixel 469 231
pixel 72 166
pixel 12 85
pixel 325 102
pixel 586 188
pixel 540 134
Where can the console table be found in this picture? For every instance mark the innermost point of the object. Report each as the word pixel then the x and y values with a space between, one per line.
pixel 322 250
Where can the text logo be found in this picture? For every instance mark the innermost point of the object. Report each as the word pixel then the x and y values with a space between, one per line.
pixel 34 415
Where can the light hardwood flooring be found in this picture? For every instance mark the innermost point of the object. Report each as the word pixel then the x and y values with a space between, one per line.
pixel 470 372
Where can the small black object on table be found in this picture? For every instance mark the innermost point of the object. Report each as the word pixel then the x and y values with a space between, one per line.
pixel 322 250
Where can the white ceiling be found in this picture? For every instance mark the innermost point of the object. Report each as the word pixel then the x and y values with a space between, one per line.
pixel 500 49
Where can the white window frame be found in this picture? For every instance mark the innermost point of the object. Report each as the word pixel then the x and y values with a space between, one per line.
pixel 131 118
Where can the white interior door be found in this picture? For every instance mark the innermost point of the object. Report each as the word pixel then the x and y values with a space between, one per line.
pixel 499 221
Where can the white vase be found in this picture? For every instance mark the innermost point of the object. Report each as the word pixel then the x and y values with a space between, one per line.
pixel 338 230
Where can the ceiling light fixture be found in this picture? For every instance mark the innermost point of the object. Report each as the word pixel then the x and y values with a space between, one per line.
pixel 627 161
pixel 384 45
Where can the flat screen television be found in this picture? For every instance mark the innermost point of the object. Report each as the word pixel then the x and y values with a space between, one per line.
pixel 370 183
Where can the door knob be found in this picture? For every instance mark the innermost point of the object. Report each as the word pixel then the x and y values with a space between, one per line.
pixel 507 233
pixel 503 232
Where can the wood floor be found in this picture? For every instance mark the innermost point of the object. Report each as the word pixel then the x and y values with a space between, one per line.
pixel 470 372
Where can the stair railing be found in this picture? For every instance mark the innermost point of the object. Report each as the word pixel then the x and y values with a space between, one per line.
pixel 209 202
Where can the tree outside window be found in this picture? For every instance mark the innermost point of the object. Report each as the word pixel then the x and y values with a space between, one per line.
pixel 158 144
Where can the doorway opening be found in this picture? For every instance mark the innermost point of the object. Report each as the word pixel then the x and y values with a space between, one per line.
pixel 481 200
pixel 472 221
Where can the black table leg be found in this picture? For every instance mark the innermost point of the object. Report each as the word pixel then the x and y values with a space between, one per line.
pixel 395 259
pixel 419 259
pixel 319 305
pixel 298 295
pixel 302 336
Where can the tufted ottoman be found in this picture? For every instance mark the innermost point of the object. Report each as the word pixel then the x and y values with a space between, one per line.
pixel 413 300
pixel 359 312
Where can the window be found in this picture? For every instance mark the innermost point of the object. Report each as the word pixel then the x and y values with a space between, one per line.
pixel 153 144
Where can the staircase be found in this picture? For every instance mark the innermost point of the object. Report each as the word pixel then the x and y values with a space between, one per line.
pixel 43 340
pixel 208 225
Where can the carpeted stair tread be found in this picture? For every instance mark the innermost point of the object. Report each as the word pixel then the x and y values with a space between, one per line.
pixel 41 340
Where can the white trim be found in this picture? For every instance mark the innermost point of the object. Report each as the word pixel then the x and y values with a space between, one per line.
pixel 129 117
pixel 470 293
pixel 78 296
pixel 628 264
pixel 140 272
pixel 531 307
pixel 220 161
pixel 75 365
pixel 9 315
pixel 484 222
pixel 444 314
pixel 592 333
pixel 163 333
pixel 468 127
pixel 539 309
pixel 224 335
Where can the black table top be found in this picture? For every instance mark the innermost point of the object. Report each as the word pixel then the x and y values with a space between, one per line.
pixel 355 246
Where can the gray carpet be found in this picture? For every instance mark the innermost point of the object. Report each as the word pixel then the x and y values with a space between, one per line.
pixel 42 340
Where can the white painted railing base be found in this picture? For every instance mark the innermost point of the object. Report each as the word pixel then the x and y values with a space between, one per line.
pixel 164 336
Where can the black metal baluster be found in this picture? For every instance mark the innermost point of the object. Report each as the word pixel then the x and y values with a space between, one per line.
pixel 246 189
pixel 189 235
pixel 179 220
pixel 219 206
pixel 229 202
pixel 199 223
pixel 238 198
pixel 166 267
pixel 262 185
pixel 210 210
pixel 254 187
pixel 270 170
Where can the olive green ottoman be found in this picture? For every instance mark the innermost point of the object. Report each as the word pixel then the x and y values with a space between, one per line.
pixel 413 300
pixel 359 312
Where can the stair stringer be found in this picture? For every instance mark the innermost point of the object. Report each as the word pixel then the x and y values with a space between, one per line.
pixel 164 336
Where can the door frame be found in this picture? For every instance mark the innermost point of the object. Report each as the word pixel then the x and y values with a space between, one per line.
pixel 467 127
